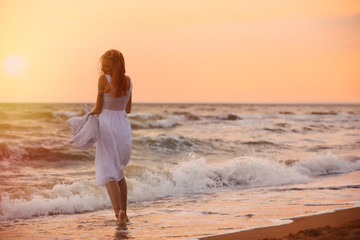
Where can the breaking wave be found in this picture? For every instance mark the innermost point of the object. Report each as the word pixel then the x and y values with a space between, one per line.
pixel 329 163
pixel 167 143
pixel 150 120
pixel 194 176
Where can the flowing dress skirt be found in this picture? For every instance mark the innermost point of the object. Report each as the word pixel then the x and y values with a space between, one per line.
pixel 113 148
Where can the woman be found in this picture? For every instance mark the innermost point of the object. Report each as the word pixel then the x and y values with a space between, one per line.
pixel 113 147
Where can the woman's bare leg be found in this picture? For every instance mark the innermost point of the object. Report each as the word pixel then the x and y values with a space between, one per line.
pixel 123 195
pixel 115 197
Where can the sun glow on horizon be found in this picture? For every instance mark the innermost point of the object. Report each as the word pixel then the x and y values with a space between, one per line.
pixel 15 65
pixel 183 51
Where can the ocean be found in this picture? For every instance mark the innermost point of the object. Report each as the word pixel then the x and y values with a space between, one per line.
pixel 196 170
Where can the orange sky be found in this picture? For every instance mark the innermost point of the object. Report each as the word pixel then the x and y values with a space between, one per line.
pixel 185 51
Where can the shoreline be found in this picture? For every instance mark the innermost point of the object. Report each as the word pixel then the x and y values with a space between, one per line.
pixel 340 224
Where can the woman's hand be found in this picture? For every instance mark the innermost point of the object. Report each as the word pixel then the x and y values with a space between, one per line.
pixel 94 111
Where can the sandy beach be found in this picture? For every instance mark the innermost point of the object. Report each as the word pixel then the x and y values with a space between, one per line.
pixel 341 224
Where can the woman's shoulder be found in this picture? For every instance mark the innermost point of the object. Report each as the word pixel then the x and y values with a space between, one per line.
pixel 102 82
pixel 102 77
pixel 128 82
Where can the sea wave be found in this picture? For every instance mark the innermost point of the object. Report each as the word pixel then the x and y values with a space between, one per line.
pixel 66 114
pixel 189 177
pixel 197 176
pixel 324 113
pixel 262 143
pixel 61 199
pixel 167 143
pixel 230 116
pixel 150 120
pixel 188 115
pixel 48 151
pixel 18 127
pixel 39 114
pixel 324 164
pixel 163 123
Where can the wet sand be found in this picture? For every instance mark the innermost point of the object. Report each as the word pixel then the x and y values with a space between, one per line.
pixel 341 224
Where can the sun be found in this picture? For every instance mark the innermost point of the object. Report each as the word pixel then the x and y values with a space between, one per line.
pixel 15 65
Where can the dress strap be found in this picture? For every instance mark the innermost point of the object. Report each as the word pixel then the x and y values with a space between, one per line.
pixel 108 77
pixel 130 85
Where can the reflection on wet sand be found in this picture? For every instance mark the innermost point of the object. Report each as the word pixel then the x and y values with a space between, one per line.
pixel 121 233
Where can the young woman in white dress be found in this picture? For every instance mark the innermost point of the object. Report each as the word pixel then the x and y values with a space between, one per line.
pixel 113 148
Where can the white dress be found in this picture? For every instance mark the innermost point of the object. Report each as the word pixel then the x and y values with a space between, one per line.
pixel 113 147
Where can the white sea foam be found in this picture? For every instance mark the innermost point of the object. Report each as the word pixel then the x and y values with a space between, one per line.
pixel 166 143
pixel 188 177
pixel 155 121
pixel 197 176
pixel 143 116
pixel 326 164
pixel 163 123
pixel 78 197
pixel 63 113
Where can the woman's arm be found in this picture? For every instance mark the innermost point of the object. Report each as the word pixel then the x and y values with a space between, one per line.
pixel 128 105
pixel 100 96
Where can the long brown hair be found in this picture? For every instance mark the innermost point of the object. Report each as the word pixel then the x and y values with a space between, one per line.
pixel 118 77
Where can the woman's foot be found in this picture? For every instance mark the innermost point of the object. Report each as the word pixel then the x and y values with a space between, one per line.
pixel 122 218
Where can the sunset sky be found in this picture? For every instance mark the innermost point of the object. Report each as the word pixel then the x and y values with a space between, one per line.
pixel 183 51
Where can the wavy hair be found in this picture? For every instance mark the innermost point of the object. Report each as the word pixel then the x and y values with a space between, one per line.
pixel 118 77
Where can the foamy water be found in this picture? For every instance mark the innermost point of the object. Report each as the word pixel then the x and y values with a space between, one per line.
pixel 196 169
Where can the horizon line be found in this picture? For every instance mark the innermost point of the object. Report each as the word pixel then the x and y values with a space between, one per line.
pixel 195 102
